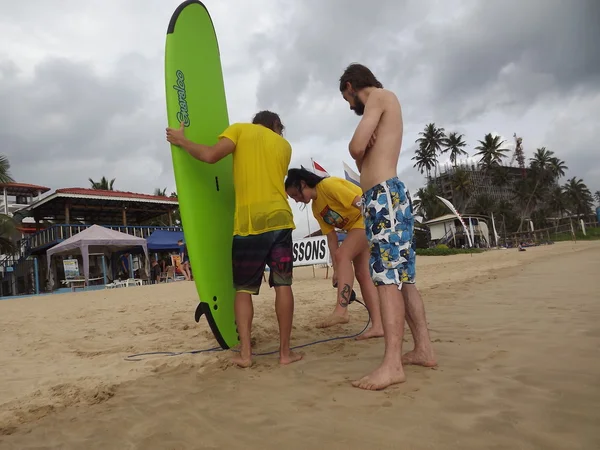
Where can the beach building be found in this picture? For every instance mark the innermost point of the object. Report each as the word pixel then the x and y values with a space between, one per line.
pixel 49 220
pixel 449 230
pixel 452 180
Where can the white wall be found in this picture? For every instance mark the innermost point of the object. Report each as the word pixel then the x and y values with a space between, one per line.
pixel 439 230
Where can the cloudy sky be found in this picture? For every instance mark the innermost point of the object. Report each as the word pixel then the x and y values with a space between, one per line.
pixel 82 87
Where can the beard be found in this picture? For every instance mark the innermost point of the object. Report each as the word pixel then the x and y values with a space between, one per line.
pixel 359 107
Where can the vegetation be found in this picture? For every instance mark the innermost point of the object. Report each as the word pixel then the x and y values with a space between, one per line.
pixel 7 231
pixel 5 170
pixel 537 191
pixel 437 251
pixel 104 184
pixel 163 221
pixel 7 224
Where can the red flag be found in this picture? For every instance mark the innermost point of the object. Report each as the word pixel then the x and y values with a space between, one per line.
pixel 318 169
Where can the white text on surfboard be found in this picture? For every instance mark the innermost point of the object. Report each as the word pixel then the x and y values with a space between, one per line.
pixel 183 114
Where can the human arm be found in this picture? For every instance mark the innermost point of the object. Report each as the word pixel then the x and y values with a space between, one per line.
pixel 364 134
pixel 206 153
pixel 333 244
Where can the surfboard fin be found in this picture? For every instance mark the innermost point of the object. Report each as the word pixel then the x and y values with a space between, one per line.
pixel 199 312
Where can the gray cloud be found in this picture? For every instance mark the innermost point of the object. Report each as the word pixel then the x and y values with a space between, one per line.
pixel 82 94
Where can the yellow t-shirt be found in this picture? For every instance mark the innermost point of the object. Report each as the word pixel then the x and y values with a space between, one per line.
pixel 333 208
pixel 260 164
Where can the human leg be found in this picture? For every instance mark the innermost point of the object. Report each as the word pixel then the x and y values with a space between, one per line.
pixel 368 291
pixel 244 313
pixel 280 261
pixel 390 370
pixel 388 224
pixel 186 270
pixel 248 260
pixel 344 255
pixel 422 354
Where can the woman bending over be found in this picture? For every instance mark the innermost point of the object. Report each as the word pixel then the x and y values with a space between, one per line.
pixel 336 204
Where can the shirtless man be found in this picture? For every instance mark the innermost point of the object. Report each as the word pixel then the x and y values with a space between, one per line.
pixel 389 222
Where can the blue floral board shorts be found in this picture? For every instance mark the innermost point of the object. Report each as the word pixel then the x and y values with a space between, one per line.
pixel 389 224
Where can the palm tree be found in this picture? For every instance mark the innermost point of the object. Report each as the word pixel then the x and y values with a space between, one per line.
pixel 541 159
pixel 454 144
pixel 558 167
pixel 483 205
pixel 597 195
pixel 491 151
pixel 500 176
pixel 425 160
pixel 158 192
pixel 462 187
pixel 103 184
pixel 5 170
pixel 578 196
pixel 7 231
pixel 428 205
pixel 557 202
pixel 431 141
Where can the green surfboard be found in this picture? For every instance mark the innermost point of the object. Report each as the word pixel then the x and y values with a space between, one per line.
pixel 196 96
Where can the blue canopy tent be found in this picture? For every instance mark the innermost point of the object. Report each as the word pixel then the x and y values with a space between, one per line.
pixel 162 240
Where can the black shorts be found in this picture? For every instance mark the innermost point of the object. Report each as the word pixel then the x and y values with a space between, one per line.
pixel 250 255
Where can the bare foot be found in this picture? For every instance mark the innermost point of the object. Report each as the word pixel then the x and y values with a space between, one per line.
pixel 334 319
pixel 419 359
pixel 371 333
pixel 241 361
pixel 381 378
pixel 290 358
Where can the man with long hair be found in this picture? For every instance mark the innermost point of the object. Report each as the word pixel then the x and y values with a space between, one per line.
pixel 389 224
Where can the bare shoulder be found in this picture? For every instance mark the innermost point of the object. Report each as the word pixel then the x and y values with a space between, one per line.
pixel 383 98
pixel 389 96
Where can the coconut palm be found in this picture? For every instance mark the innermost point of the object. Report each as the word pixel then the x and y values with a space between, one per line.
pixel 103 184
pixel 431 141
pixel 483 205
pixel 541 159
pixel 428 205
pixel 454 144
pixel 500 176
pixel 425 160
pixel 491 151
pixel 578 196
pixel 558 167
pixel 462 187
pixel 5 170
pixel 556 203
pixel 7 231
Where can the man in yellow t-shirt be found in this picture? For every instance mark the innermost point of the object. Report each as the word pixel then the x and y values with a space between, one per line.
pixel 263 221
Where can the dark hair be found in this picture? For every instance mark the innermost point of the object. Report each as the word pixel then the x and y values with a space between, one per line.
pixel 295 176
pixel 359 77
pixel 268 119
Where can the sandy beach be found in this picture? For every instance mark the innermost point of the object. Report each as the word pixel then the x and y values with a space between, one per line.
pixel 516 334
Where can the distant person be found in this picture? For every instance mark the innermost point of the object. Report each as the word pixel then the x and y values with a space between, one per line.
pixel 263 221
pixel 185 260
pixel 389 221
pixel 336 204
pixel 155 271
pixel 124 265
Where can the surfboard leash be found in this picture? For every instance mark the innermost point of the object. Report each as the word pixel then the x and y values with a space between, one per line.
pixel 219 349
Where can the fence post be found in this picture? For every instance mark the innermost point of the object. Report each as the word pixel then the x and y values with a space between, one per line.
pixel 36 275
